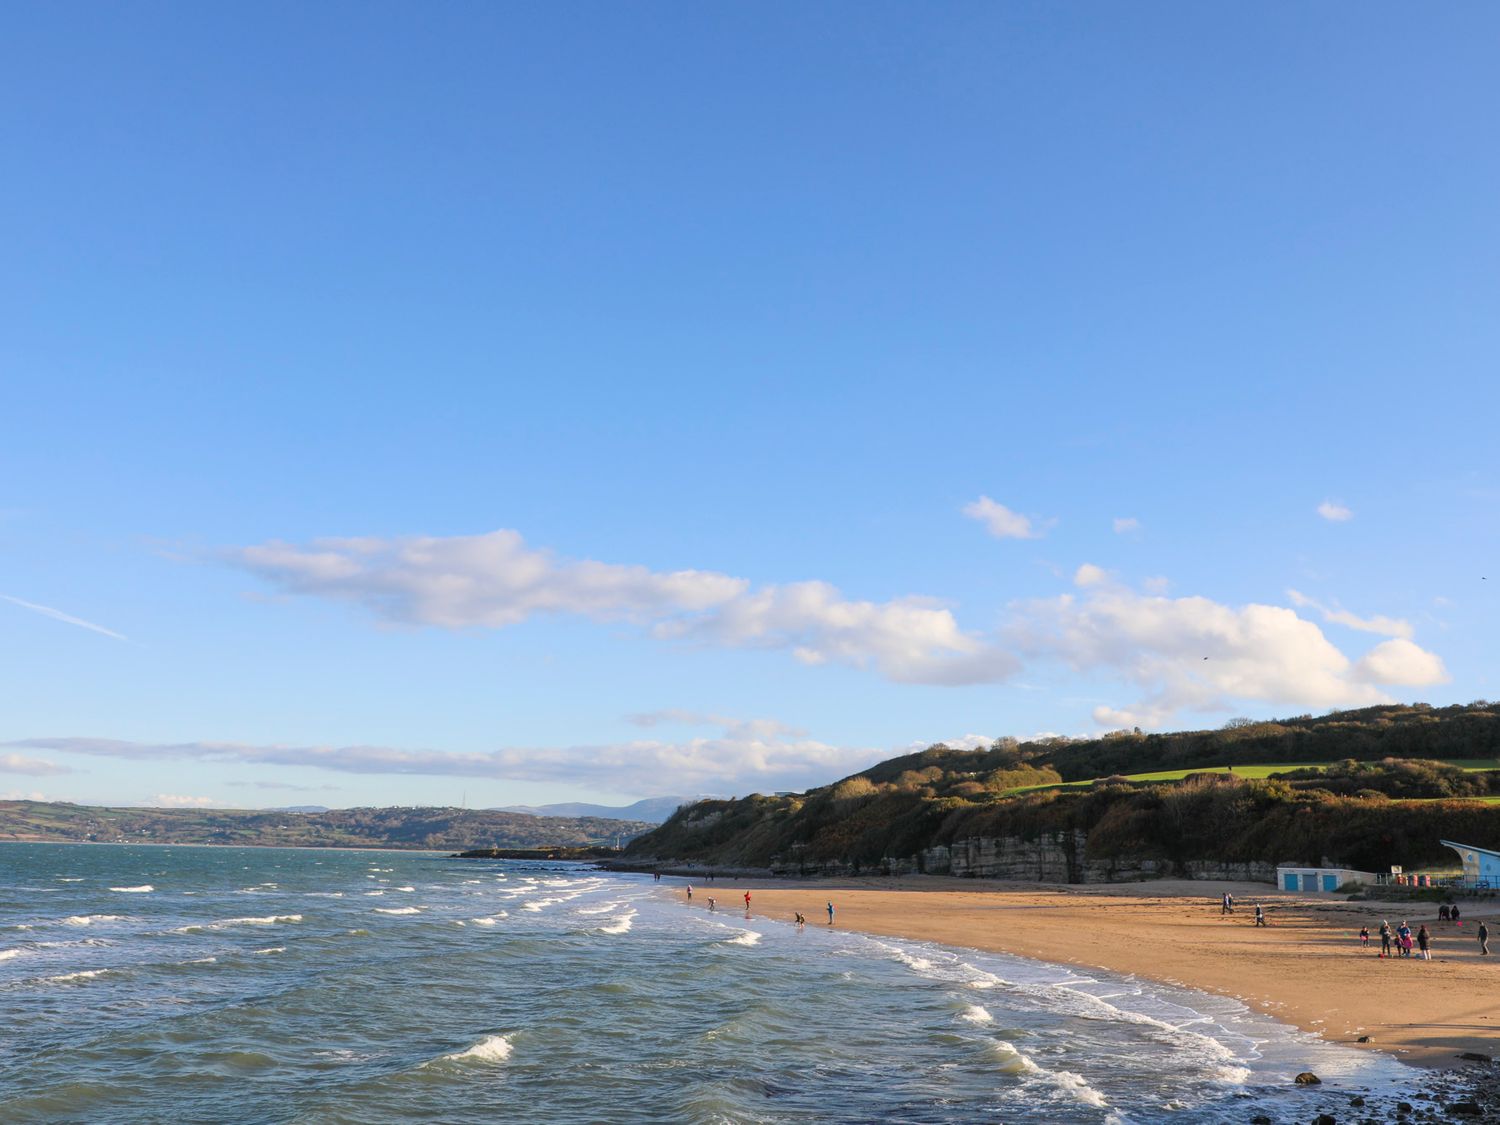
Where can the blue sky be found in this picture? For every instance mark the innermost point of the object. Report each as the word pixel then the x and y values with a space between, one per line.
pixel 515 403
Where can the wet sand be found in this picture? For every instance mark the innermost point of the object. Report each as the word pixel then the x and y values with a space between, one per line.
pixel 1305 967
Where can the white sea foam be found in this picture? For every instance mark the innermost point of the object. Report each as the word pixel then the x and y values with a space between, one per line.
pixel 225 923
pixel 976 1013
pixel 541 903
pixel 407 889
pixel 605 909
pixel 90 919
pixel 491 1049
pixel 86 974
pixel 373 894
pixel 399 910
pixel 490 920
pixel 7 954
pixel 143 889
pixel 744 937
pixel 1008 1060
pixel 1078 1086
pixel 69 879
pixel 621 925
pixel 325 894
pixel 273 949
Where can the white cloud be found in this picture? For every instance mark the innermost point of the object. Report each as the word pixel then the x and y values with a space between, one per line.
pixel 495 580
pixel 1159 584
pixel 174 801
pixel 1385 626
pixel 743 755
pixel 1124 525
pixel 1089 575
pixel 1332 510
pixel 34 767
pixel 59 615
pixel 1001 522
pixel 1192 653
pixel 1400 661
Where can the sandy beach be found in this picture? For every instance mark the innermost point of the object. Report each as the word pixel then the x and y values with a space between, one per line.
pixel 1305 967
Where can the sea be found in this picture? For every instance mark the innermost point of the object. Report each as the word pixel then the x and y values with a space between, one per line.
pixel 220 984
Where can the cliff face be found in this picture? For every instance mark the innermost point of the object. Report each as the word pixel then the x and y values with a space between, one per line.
pixel 1054 857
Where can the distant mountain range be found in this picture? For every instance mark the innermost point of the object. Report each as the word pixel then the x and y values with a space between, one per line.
pixel 435 828
pixel 653 810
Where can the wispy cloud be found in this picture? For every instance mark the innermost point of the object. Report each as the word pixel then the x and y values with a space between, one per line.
pixel 496 580
pixel 1336 615
pixel 1124 525
pixel 33 767
pixel 175 801
pixel 1333 510
pixel 745 755
pixel 1000 521
pixel 59 615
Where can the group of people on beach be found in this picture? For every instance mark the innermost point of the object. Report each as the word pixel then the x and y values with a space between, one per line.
pixel 799 918
pixel 1226 906
pixel 1399 942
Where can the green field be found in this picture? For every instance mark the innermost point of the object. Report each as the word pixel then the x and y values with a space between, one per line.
pixel 1468 765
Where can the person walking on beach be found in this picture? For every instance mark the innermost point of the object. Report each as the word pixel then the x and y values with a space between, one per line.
pixel 747 902
pixel 1423 940
pixel 1226 904
pixel 1260 915
pixel 830 918
pixel 711 904
pixel 1443 914
pixel 1484 939
pixel 690 892
pixel 1385 938
pixel 1453 913
pixel 801 921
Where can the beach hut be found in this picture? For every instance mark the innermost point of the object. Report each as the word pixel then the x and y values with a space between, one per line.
pixel 1481 865
pixel 1318 880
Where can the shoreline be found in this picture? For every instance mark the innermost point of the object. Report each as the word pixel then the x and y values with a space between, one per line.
pixel 1306 968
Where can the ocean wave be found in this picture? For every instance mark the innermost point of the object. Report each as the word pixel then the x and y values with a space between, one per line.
pixel 225 923
pixel 540 904
pixel 69 879
pixel 620 925
pixel 8 954
pixel 90 919
pixel 406 889
pixel 143 889
pixel 1008 1060
pixel 490 1049
pixel 976 1013
pixel 84 974
pixel 490 920
pixel 398 910
pixel 1077 1086
pixel 744 937
pixel 272 949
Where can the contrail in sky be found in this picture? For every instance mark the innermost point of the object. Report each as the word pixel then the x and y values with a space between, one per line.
pixel 48 611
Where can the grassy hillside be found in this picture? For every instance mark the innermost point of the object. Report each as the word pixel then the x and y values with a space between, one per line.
pixel 1366 788
pixel 383 828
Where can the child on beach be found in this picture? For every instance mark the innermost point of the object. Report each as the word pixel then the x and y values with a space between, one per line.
pixel 1364 937
pixel 1385 938
pixel 830 918
pixel 1423 940
pixel 690 892
pixel 711 904
pixel 1260 915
